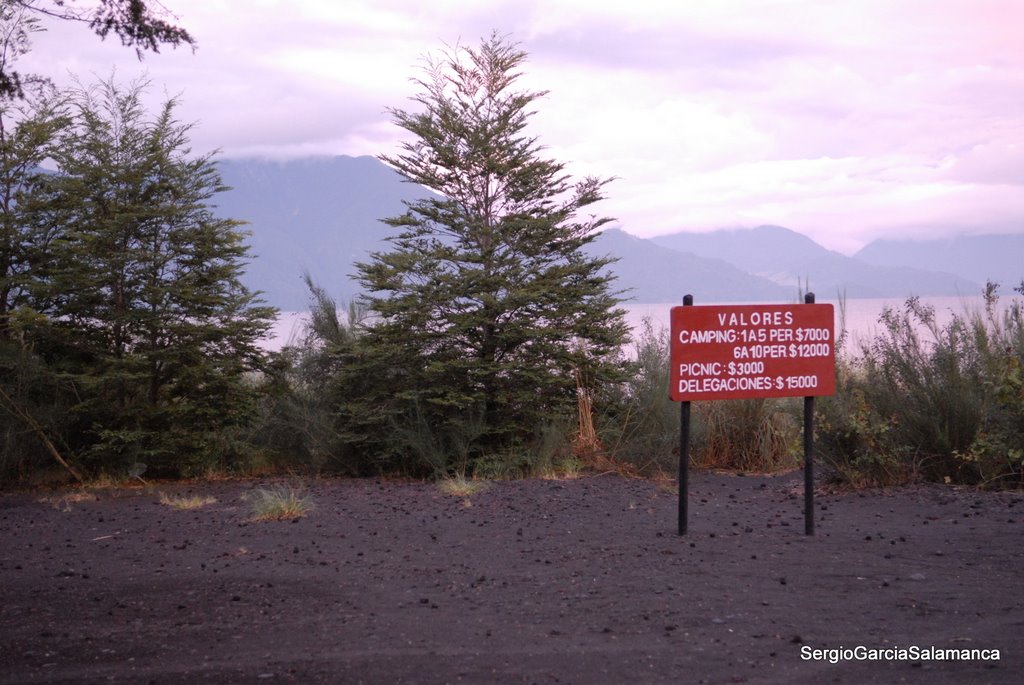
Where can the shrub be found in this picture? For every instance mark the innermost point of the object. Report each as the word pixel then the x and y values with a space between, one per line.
pixel 636 421
pixel 938 402
pixel 760 435
pixel 298 422
pixel 640 424
pixel 34 408
pixel 852 438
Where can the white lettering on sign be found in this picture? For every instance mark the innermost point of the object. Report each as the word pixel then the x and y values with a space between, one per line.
pixel 704 337
pixel 714 369
pixel 760 383
pixel 761 352
pixel 745 319
pixel 813 334
pixel 733 351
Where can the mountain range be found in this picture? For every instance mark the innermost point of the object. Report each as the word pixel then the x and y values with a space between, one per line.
pixel 318 215
pixel 981 258
pixel 790 259
pixel 321 215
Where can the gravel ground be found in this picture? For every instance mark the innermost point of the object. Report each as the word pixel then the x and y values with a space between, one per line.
pixel 536 581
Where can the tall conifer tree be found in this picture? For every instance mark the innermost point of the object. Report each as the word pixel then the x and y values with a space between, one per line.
pixel 487 310
pixel 149 320
pixel 31 410
pixel 28 133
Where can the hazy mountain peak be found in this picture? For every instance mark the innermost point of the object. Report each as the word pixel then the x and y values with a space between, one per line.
pixel 324 214
pixel 992 257
pixel 788 258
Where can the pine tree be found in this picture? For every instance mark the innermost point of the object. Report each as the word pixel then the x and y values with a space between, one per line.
pixel 148 319
pixel 31 408
pixel 28 133
pixel 486 309
pixel 26 141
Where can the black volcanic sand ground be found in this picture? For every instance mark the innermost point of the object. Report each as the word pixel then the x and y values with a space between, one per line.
pixel 579 581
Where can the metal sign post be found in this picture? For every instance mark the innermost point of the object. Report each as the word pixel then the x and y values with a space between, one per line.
pixel 809 450
pixel 684 452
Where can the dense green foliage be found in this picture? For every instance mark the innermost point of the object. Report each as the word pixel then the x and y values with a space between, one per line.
pixel 922 400
pixel 489 344
pixel 919 400
pixel 123 292
pixel 639 424
pixel 300 424
pixel 487 318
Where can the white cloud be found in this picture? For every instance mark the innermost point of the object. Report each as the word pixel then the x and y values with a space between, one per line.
pixel 841 119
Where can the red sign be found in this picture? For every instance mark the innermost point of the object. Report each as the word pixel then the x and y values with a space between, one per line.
pixel 731 352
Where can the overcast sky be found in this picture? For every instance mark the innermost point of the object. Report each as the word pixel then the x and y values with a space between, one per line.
pixel 845 120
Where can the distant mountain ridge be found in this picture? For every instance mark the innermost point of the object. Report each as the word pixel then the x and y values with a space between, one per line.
pixel 788 258
pixel 998 258
pixel 652 273
pixel 319 214
pixel 323 214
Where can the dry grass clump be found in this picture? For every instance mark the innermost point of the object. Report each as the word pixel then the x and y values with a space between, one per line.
pixel 279 502
pixel 459 486
pixel 187 503
pixel 63 502
pixel 566 469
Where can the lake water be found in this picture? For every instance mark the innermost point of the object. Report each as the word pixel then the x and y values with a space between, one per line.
pixel 858 316
pixel 861 316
